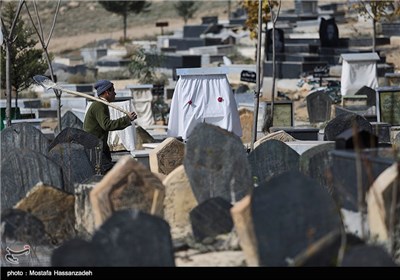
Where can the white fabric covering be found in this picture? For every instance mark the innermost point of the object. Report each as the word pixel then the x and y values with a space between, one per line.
pixel 127 136
pixel 142 106
pixel 203 91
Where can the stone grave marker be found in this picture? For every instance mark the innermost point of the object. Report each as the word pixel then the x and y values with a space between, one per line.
pixel 142 136
pixel 54 208
pixel 279 135
pixel 216 164
pixel 354 101
pixel 21 170
pixel 319 106
pixel 18 225
pixel 345 121
pixel 346 140
pixel 69 119
pixel 129 184
pixel 179 199
pixel 367 256
pixel 279 42
pixel 92 144
pixel 272 158
pixel 370 93
pixel 167 156
pixel 23 136
pixel 74 163
pixel 211 218
pixel 133 238
pixel 316 163
pixel 246 117
pixel 75 253
pixel 328 33
pixel 290 212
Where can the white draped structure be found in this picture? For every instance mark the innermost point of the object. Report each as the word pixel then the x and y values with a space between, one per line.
pixel 202 95
pixel 358 70
pixel 142 98
pixel 125 137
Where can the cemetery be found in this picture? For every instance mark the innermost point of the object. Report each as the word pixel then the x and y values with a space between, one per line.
pixel 212 172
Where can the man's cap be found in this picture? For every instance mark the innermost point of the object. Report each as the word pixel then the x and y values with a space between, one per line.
pixel 102 85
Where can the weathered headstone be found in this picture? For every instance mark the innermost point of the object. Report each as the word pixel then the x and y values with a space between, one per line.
pixel 142 136
pixel 246 122
pixel 367 256
pixel 69 119
pixel 344 122
pixel 316 163
pixel 21 170
pixel 319 106
pixel 272 158
pixel 167 156
pixel 134 238
pixel 54 208
pixel 129 184
pixel 210 218
pixel 74 162
pixel 92 144
pixel 290 212
pixel 179 200
pixel 328 33
pixel 347 140
pixel 279 135
pixel 18 225
pixel 370 93
pixel 75 253
pixel 382 130
pixel 216 164
pixel 23 136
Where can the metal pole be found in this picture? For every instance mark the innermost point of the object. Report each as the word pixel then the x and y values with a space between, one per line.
pixel 258 76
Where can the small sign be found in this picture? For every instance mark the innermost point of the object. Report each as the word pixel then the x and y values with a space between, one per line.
pixel 248 76
pixel 158 90
pixel 161 23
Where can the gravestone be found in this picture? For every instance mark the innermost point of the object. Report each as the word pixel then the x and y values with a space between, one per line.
pixel 388 109
pixel 21 170
pixel 328 33
pixel 354 101
pixel 167 156
pixel 272 158
pixel 74 162
pixel 18 225
pixel 279 42
pixel 362 140
pixel 370 93
pixel 216 164
pixel 92 144
pixel 396 141
pixel 54 208
pixel 246 117
pixel 279 135
pixel 367 256
pixel 343 122
pixel 23 135
pixel 382 130
pixel 133 238
pixel 319 106
pixel 69 119
pixel 75 253
pixel 179 200
pixel 211 218
pixel 290 212
pixel 316 163
pixel 129 184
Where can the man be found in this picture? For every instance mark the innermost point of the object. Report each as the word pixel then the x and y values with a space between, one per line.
pixel 97 119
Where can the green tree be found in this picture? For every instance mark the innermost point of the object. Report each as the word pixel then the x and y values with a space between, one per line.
pixel 123 8
pixel 25 60
pixel 186 9
pixel 377 10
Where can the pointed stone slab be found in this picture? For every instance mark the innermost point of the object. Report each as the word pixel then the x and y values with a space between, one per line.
pixel 367 256
pixel 179 198
pixel 210 218
pixel 54 208
pixel 243 221
pixel 129 184
pixel 280 135
pixel 344 122
pixel 23 136
pixel 93 145
pixel 69 119
pixel 216 164
pixel 133 238
pixel 21 170
pixel 18 225
pixel 316 163
pixel 74 162
pixel 379 200
pixel 167 156
pixel 290 212
pixel 272 158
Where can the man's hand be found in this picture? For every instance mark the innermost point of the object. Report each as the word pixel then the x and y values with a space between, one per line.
pixel 132 116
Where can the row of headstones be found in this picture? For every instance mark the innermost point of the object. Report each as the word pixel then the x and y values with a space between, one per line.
pixel 209 177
